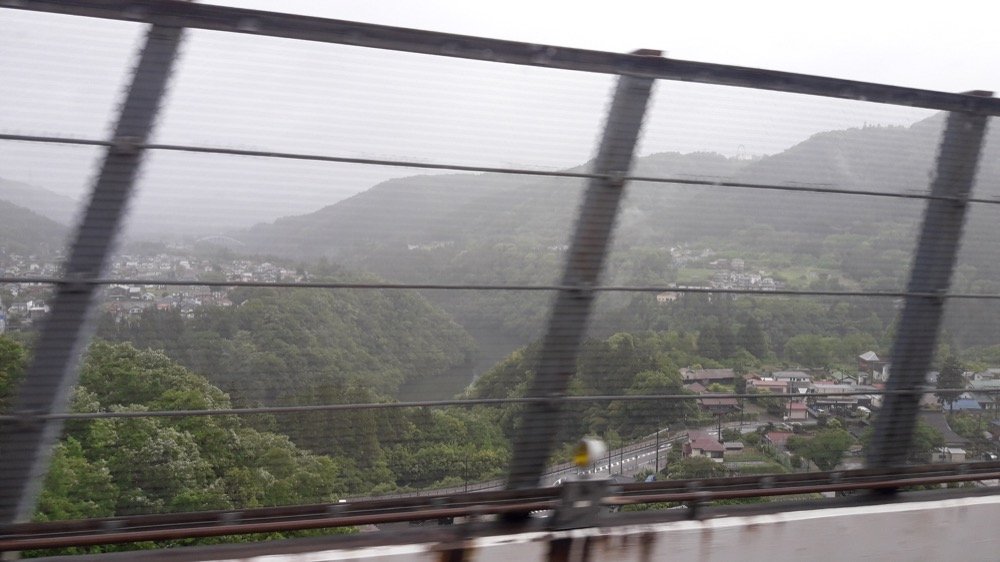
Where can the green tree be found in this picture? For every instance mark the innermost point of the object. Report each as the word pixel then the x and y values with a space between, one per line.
pixel 13 359
pixel 808 350
pixel 753 339
pixel 696 467
pixel 740 384
pixel 708 343
pixel 76 488
pixel 950 377
pixel 825 449
pixel 926 439
pixel 119 466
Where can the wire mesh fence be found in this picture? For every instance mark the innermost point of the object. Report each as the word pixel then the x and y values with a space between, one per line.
pixel 274 330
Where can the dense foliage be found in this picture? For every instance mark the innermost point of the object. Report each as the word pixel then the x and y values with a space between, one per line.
pixel 624 364
pixel 118 466
pixel 825 449
pixel 285 346
pixel 127 465
pixel 950 377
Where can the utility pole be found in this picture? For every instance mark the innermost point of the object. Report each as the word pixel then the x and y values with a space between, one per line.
pixel 657 470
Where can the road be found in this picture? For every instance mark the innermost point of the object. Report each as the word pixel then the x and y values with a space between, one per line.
pixel 636 457
pixel 626 461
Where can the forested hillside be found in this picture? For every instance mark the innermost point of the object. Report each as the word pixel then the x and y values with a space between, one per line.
pixel 39 200
pixel 282 346
pixel 25 232
pixel 119 466
pixel 492 229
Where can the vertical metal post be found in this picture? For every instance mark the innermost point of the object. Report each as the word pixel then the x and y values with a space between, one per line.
pixel 585 260
pixel 657 470
pixel 26 445
pixel 930 276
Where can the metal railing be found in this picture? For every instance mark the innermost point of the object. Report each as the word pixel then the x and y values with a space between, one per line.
pixel 27 436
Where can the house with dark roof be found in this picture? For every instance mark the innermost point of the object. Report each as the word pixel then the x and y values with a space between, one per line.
pixel 778 438
pixel 719 405
pixel 696 388
pixel 966 404
pixel 771 386
pixel 869 362
pixel 797 411
pixel 986 392
pixel 701 444
pixel 939 421
pixel 994 429
pixel 791 376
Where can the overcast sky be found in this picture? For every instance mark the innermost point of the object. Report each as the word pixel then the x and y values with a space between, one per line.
pixel 65 75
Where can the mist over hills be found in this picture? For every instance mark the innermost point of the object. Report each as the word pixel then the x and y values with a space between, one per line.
pixel 504 229
pixel 23 231
pixel 459 208
pixel 431 209
pixel 44 202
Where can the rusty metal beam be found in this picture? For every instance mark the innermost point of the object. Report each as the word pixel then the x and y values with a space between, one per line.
pixel 307 28
pixel 62 534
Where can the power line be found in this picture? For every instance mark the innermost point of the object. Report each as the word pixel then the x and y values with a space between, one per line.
pixel 491 287
pixel 819 189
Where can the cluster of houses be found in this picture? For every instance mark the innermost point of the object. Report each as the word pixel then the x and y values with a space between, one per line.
pixel 728 274
pixel 179 267
pixel 856 395
pixel 683 255
pixel 28 301
pixel 123 301
pixel 803 396
pixel 808 397
pixel 17 265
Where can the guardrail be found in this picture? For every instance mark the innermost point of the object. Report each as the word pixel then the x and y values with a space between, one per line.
pixel 28 434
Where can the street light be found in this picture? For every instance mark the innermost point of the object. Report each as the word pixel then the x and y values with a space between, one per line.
pixel 657 469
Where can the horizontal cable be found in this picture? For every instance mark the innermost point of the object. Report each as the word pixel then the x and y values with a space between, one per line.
pixel 370 161
pixel 496 170
pixel 489 287
pixel 811 189
pixel 56 140
pixel 500 170
pixel 556 174
pixel 27 417
pixel 221 18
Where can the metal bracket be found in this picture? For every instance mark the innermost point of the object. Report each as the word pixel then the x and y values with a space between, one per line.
pixel 580 504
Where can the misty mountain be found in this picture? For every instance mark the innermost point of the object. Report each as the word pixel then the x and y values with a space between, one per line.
pixel 44 202
pixel 462 208
pixel 23 231
pixel 489 228
pixel 457 208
